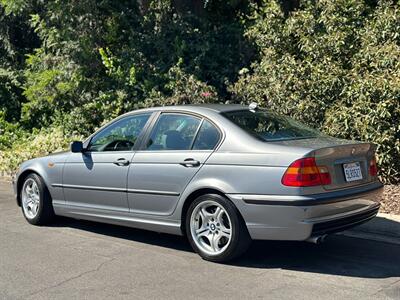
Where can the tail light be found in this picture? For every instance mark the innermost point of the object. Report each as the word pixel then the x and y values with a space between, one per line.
pixel 305 172
pixel 373 168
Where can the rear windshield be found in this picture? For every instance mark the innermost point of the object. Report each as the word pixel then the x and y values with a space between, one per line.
pixel 270 126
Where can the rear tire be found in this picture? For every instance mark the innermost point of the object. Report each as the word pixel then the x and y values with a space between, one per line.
pixel 215 229
pixel 36 202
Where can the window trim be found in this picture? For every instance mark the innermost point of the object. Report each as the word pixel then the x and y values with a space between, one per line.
pixel 196 134
pixel 125 116
pixel 157 116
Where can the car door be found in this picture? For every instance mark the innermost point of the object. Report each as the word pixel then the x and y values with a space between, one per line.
pixel 175 150
pixel 96 178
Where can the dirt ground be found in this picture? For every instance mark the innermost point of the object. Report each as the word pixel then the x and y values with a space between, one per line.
pixel 391 200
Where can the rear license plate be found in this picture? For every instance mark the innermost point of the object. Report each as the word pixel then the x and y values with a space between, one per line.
pixel 352 171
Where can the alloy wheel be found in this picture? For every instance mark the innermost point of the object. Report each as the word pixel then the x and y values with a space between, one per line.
pixel 211 227
pixel 30 198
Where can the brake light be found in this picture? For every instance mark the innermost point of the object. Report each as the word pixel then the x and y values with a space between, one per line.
pixel 305 172
pixel 373 168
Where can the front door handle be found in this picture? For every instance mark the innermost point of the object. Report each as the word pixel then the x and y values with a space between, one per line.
pixel 121 162
pixel 190 162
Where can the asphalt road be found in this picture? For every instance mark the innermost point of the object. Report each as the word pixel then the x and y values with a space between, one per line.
pixel 75 259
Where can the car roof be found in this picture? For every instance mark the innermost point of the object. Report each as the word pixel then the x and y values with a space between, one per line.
pixel 197 108
pixel 215 107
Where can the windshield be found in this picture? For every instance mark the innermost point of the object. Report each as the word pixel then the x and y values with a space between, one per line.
pixel 270 126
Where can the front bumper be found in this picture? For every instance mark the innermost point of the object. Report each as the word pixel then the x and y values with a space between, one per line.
pixel 274 217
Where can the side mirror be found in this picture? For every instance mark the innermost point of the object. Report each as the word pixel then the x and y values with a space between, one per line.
pixel 76 147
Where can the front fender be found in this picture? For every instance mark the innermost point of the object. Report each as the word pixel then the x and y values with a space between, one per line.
pixel 49 169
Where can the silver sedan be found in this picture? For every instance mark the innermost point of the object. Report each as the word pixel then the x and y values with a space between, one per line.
pixel 220 174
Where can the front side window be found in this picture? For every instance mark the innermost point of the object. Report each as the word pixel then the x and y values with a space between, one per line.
pixel 173 132
pixel 270 126
pixel 120 135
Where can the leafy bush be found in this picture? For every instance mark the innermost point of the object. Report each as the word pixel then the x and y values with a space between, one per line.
pixel 184 89
pixel 9 132
pixel 39 143
pixel 334 65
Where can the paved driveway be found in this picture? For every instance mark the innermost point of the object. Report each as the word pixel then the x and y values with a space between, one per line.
pixel 72 259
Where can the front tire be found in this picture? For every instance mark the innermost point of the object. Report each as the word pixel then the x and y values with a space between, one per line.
pixel 215 229
pixel 36 201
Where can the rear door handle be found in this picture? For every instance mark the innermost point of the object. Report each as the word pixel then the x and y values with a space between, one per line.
pixel 190 162
pixel 121 162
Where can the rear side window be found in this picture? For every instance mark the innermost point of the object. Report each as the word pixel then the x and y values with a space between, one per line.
pixel 207 138
pixel 270 126
pixel 173 132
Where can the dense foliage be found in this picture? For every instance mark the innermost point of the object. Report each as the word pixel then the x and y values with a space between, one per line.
pixel 334 65
pixel 66 67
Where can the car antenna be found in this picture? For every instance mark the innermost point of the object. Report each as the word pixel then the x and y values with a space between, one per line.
pixel 253 106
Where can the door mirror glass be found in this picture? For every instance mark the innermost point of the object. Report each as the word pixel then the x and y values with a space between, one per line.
pixel 76 147
pixel 173 132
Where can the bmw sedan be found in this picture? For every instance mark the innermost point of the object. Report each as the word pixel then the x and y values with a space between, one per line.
pixel 222 175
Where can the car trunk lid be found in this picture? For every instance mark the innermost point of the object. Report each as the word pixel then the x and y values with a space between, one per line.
pixel 347 161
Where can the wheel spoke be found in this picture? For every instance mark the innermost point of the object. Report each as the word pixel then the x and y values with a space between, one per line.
pixel 205 213
pixel 203 235
pixel 36 198
pixel 35 208
pixel 214 239
pixel 219 217
pixel 202 213
pixel 28 190
pixel 217 213
pixel 226 231
pixel 200 232
pixel 35 189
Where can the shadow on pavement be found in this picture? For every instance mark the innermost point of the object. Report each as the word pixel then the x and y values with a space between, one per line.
pixel 387 225
pixel 339 255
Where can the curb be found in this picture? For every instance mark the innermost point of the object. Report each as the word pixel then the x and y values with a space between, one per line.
pixel 384 227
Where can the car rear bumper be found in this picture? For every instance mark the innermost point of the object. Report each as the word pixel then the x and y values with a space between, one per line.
pixel 275 217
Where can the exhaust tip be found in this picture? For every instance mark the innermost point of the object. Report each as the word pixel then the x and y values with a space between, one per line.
pixel 317 239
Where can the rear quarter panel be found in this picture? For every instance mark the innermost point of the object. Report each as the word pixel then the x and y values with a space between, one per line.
pixel 243 173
